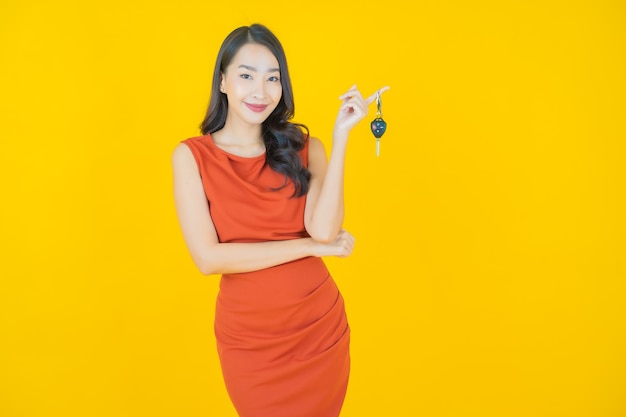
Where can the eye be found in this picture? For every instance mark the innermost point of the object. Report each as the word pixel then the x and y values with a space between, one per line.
pixel 246 76
pixel 274 79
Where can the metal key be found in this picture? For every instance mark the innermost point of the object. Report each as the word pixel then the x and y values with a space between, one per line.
pixel 378 125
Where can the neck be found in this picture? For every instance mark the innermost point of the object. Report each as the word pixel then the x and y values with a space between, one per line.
pixel 240 134
pixel 240 141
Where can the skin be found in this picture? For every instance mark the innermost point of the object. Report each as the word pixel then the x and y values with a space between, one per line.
pixel 253 79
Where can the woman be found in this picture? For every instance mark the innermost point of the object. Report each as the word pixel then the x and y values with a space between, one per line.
pixel 259 203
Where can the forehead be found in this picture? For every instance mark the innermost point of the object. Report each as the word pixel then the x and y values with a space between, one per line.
pixel 255 55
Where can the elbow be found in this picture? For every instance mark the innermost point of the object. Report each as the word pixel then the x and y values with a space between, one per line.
pixel 323 230
pixel 323 235
pixel 205 270
pixel 322 238
pixel 207 266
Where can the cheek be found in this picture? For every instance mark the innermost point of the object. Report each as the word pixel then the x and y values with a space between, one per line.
pixel 276 91
pixel 237 88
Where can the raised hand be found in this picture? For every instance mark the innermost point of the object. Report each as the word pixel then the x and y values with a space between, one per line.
pixel 352 111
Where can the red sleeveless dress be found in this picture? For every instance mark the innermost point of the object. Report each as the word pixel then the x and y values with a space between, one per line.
pixel 282 333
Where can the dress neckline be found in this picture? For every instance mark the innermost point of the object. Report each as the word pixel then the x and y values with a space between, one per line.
pixel 209 138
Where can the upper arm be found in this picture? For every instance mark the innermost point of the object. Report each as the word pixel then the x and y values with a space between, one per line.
pixel 192 207
pixel 318 163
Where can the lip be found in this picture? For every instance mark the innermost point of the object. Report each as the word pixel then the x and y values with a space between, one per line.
pixel 256 107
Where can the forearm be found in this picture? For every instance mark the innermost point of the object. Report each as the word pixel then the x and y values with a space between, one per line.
pixel 325 206
pixel 328 213
pixel 227 258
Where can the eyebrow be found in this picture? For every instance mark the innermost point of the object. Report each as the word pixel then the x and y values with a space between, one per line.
pixel 249 68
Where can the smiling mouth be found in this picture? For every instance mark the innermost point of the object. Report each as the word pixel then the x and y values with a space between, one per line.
pixel 256 107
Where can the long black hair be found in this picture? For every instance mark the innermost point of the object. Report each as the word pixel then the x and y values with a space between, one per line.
pixel 283 139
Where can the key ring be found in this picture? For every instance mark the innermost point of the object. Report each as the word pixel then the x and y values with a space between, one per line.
pixel 378 125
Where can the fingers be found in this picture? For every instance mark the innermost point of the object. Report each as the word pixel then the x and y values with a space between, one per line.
pixel 373 96
pixel 345 243
pixel 354 92
pixel 350 93
pixel 354 107
pixel 342 246
pixel 352 101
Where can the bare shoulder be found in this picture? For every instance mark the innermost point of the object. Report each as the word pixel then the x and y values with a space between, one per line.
pixel 182 157
pixel 316 145
pixel 181 153
pixel 316 149
pixel 183 162
pixel 317 156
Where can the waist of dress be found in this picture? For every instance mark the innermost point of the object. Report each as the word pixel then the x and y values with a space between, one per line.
pixel 279 285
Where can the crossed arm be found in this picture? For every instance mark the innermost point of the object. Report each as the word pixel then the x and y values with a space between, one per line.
pixel 213 257
pixel 324 210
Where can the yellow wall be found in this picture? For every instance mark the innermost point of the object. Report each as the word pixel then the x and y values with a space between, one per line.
pixel 488 278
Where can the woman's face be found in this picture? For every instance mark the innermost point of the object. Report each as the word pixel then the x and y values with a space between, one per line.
pixel 252 85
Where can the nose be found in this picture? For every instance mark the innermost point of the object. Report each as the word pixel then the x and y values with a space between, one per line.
pixel 259 90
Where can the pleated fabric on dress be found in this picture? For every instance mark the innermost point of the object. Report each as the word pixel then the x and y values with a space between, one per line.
pixel 282 333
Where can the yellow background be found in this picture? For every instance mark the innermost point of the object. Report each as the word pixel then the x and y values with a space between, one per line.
pixel 489 273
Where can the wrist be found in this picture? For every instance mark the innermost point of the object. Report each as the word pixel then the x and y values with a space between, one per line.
pixel 339 144
pixel 340 136
pixel 310 247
